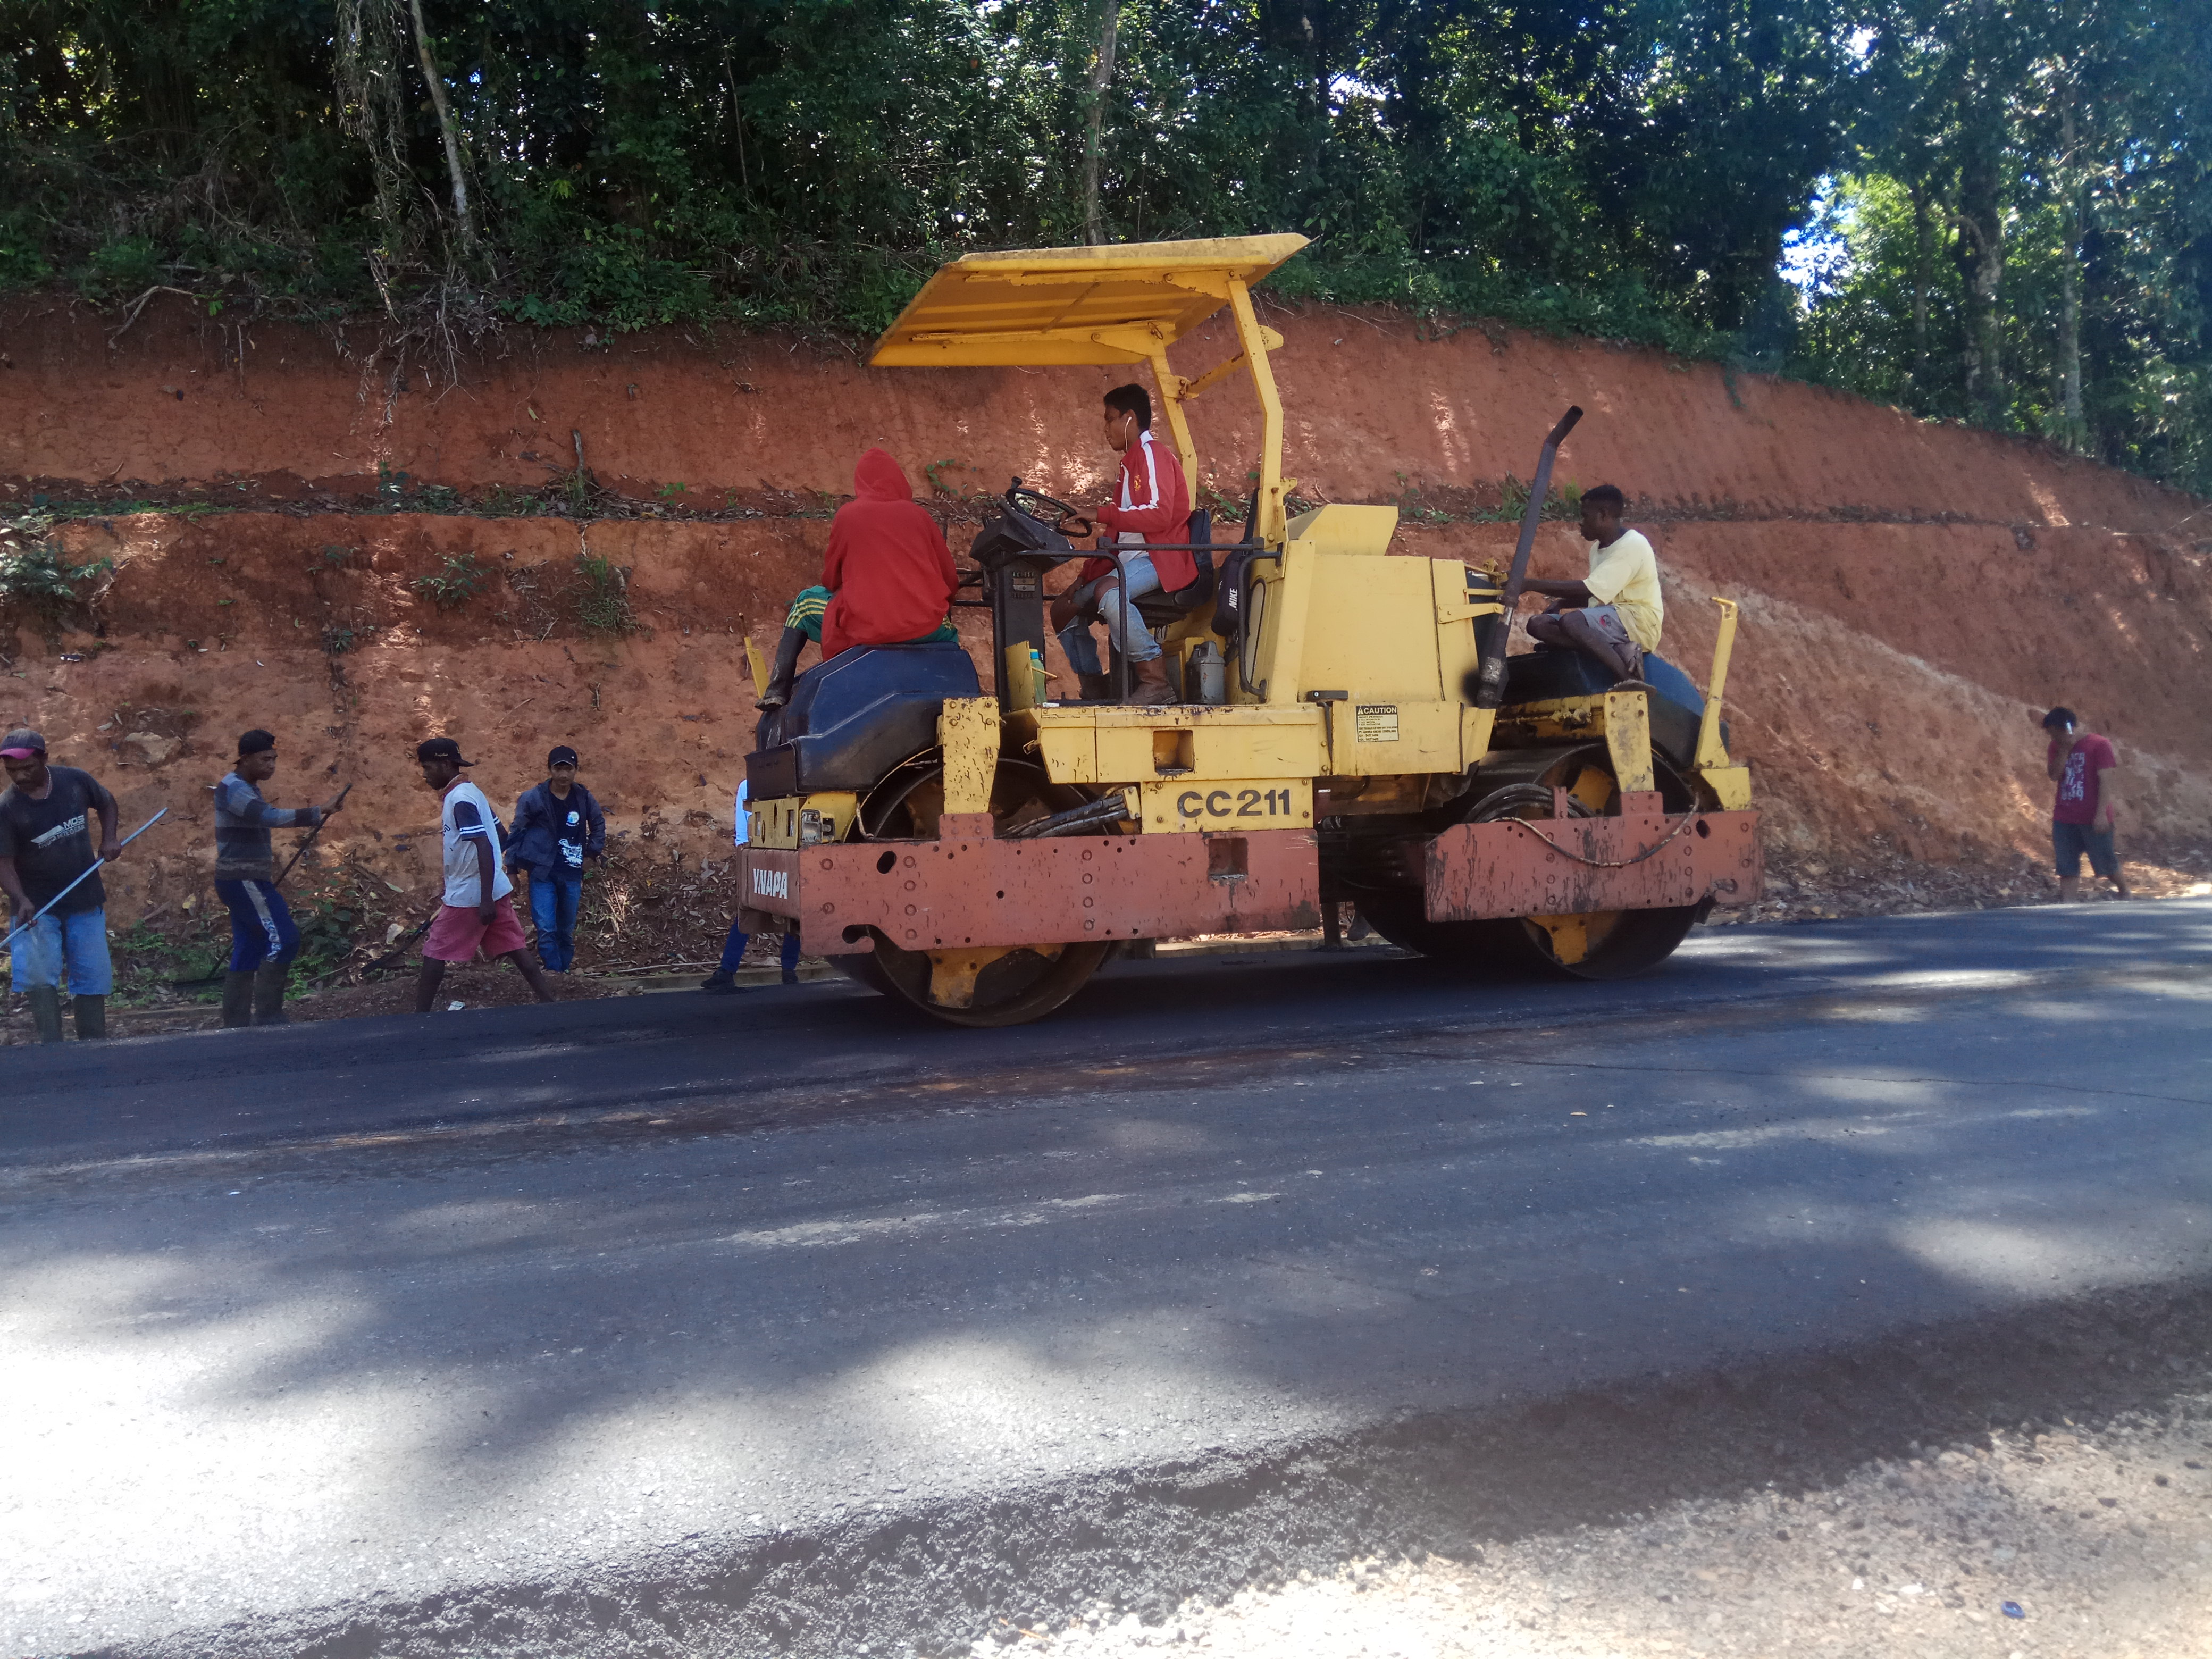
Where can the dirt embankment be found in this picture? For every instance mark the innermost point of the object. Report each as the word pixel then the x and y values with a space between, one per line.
pixel 1913 594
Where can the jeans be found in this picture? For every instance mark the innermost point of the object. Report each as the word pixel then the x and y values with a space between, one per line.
pixel 734 952
pixel 83 937
pixel 261 925
pixel 554 897
pixel 1140 646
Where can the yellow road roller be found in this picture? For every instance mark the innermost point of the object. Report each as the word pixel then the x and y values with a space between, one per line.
pixel 1350 726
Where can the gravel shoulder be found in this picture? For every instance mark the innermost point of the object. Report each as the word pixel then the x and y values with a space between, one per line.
pixel 2080 1540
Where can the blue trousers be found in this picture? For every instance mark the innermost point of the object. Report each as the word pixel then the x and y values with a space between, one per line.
pixel 734 952
pixel 261 925
pixel 1138 646
pixel 554 897
pixel 82 937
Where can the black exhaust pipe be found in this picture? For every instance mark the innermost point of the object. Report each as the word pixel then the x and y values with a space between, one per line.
pixel 1490 675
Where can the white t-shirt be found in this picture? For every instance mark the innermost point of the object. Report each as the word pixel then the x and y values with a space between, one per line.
pixel 743 826
pixel 467 822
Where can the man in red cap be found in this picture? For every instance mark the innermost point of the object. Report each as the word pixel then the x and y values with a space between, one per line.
pixel 479 912
pixel 45 845
pixel 886 580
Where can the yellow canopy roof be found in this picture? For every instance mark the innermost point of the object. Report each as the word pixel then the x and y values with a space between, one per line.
pixel 1116 304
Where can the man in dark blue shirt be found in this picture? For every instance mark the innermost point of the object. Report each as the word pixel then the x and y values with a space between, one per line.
pixel 557 827
pixel 46 819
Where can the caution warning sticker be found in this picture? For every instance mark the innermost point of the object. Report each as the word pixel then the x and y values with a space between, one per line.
pixel 1375 722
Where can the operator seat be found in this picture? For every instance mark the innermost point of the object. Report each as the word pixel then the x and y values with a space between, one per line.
pixel 1163 610
pixel 854 717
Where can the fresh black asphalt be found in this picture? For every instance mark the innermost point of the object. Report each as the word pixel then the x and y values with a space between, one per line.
pixel 666 1324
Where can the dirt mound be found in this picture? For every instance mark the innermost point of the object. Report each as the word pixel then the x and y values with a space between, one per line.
pixel 356 555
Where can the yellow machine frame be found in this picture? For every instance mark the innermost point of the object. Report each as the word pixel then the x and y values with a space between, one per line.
pixel 1128 305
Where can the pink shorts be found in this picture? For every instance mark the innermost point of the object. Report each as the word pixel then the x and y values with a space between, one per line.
pixel 457 935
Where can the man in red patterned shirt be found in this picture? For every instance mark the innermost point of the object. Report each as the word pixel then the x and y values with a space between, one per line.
pixel 2087 809
pixel 1151 506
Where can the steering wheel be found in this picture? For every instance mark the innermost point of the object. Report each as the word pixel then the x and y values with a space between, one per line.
pixel 1062 514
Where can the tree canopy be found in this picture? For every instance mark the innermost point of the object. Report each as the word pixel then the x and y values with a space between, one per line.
pixel 2004 207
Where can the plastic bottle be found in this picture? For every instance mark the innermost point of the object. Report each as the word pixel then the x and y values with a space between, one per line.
pixel 1036 669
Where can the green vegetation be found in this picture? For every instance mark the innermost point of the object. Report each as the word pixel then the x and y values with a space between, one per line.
pixel 454 583
pixel 2022 232
pixel 36 577
pixel 602 595
pixel 2006 208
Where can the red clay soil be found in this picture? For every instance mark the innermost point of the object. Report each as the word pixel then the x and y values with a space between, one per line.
pixel 1913 594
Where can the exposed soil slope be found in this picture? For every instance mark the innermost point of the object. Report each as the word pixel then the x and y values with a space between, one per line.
pixel 1913 594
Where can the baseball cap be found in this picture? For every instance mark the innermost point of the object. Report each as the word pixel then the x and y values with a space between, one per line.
pixel 254 742
pixel 22 743
pixel 562 756
pixel 432 749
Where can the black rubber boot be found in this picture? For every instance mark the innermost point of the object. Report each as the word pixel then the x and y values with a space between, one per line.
pixel 777 691
pixel 91 1018
pixel 268 994
pixel 237 999
pixel 1095 688
pixel 719 982
pixel 46 1002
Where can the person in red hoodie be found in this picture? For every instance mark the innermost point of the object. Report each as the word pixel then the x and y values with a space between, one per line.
pixel 1151 506
pixel 886 580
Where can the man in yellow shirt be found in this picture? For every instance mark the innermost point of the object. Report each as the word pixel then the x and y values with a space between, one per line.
pixel 1612 615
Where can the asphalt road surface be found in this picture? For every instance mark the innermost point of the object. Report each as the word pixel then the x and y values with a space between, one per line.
pixel 786 1323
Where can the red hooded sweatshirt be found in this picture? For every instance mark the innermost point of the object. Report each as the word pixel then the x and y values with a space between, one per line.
pixel 1155 502
pixel 887 564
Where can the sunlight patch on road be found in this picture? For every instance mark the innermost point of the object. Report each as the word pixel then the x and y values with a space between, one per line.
pixel 2059 1258
pixel 1833 1129
pixel 1878 1091
pixel 853 1229
pixel 1952 979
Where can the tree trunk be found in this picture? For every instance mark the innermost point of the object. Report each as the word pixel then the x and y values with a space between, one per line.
pixel 737 121
pixel 462 217
pixel 1923 253
pixel 1981 255
pixel 1102 73
pixel 2069 284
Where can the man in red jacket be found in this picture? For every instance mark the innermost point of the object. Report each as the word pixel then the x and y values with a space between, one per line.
pixel 886 580
pixel 1152 505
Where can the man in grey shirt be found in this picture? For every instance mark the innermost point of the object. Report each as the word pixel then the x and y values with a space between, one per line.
pixel 264 939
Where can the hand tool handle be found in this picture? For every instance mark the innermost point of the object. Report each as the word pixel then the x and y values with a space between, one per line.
pixel 83 875
pixel 302 849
